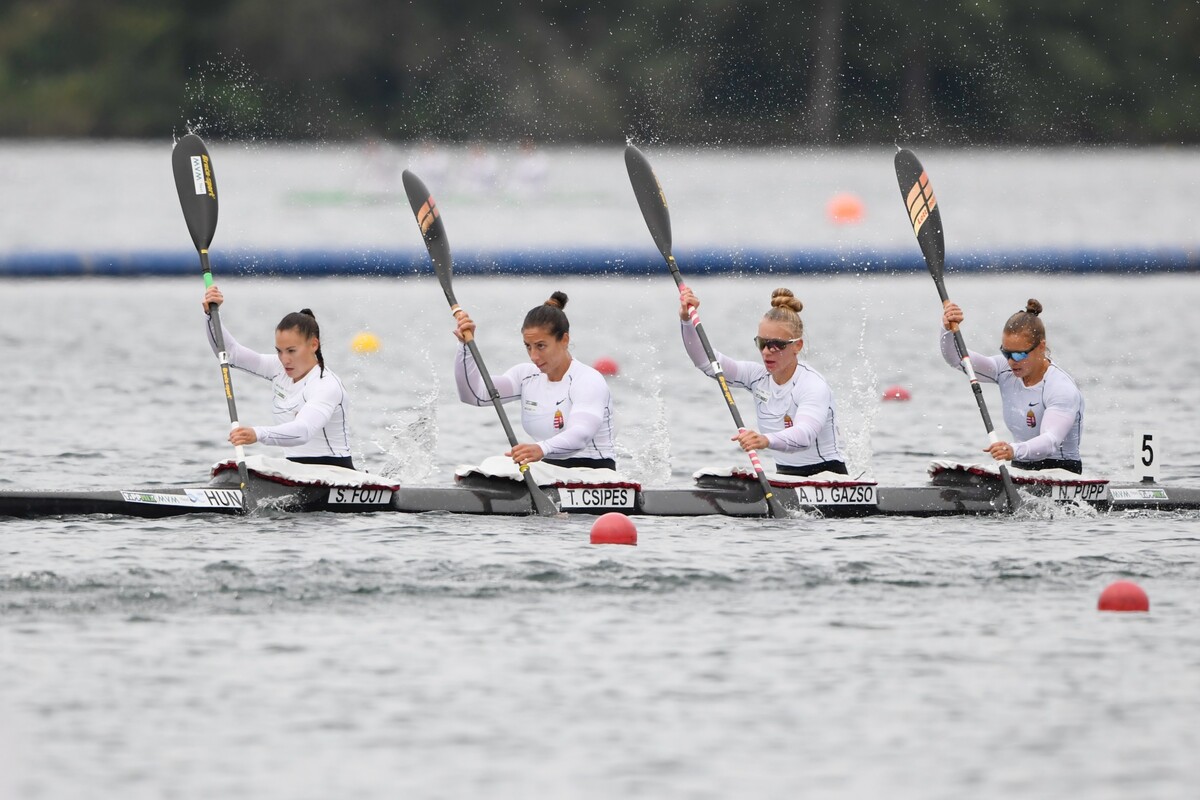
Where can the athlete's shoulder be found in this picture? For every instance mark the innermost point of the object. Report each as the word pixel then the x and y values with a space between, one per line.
pixel 524 371
pixel 578 370
pixel 806 372
pixel 1060 374
pixel 585 375
pixel 1058 380
pixel 809 381
pixel 325 380
pixel 324 373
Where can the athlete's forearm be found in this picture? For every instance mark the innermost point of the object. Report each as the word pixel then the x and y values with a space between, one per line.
pixel 800 436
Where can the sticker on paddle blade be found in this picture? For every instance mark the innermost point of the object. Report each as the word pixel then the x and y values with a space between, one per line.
pixel 202 176
pixel 198 174
pixel 427 215
pixel 921 202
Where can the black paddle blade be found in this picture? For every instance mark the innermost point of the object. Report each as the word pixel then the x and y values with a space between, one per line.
pixel 650 198
pixel 429 220
pixel 197 187
pixel 923 210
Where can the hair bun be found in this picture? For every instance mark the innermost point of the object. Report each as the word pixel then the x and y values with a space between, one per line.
pixel 783 298
pixel 558 300
pixel 308 312
pixel 1033 307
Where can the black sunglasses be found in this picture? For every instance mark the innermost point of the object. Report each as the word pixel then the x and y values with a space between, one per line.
pixel 773 345
pixel 1017 355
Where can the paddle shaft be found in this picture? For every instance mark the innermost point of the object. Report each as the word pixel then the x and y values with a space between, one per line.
pixel 223 357
pixel 493 395
pixel 1010 489
pixel 926 219
pixel 773 505
pixel 433 232
pixel 711 355
pixel 196 184
pixel 541 502
pixel 964 356
pixel 653 204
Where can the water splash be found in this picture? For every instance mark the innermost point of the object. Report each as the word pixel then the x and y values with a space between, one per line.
pixel 860 408
pixel 410 443
pixel 225 98
pixel 644 419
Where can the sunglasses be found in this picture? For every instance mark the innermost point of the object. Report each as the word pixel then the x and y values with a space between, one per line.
pixel 772 345
pixel 1017 355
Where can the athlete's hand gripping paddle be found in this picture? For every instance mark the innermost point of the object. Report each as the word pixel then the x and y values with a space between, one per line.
pixel 658 219
pixel 197 187
pixel 926 219
pixel 433 231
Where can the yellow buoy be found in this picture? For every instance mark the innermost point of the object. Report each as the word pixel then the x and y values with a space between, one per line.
pixel 365 342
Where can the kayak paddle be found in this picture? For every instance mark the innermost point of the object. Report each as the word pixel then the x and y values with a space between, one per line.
pixel 433 231
pixel 653 203
pixel 197 188
pixel 926 219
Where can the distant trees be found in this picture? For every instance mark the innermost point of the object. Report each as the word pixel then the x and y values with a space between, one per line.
pixel 705 71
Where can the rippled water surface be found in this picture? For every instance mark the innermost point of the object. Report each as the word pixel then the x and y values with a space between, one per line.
pixel 441 656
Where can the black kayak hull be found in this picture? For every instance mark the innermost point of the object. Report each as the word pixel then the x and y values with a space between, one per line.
pixel 483 496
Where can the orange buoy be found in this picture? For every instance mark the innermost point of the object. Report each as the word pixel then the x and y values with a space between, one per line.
pixel 614 528
pixel 1123 596
pixel 897 392
pixel 605 366
pixel 845 208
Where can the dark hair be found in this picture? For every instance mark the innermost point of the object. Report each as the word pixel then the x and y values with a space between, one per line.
pixel 549 315
pixel 1028 320
pixel 304 322
pixel 786 308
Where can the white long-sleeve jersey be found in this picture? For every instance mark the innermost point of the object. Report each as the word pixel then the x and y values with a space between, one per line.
pixel 310 414
pixel 797 417
pixel 570 418
pixel 1045 420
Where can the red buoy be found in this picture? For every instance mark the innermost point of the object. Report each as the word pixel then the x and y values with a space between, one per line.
pixel 613 528
pixel 1123 596
pixel 605 366
pixel 845 208
pixel 897 392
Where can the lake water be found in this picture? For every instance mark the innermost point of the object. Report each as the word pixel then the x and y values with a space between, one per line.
pixel 314 656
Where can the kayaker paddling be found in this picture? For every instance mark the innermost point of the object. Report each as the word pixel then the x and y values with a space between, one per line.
pixel 1043 407
pixel 309 399
pixel 793 402
pixel 566 405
